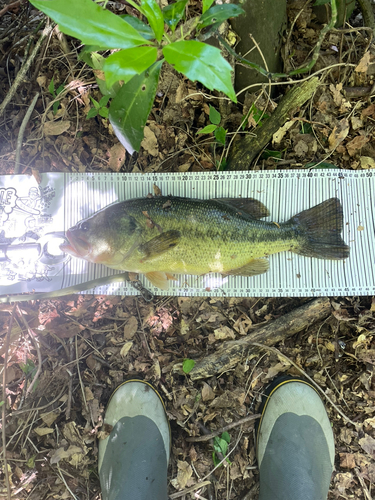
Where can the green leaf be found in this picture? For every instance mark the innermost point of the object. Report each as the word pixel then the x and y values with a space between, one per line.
pixel 89 55
pixel 219 14
pixel 104 112
pixel 173 13
pixel 321 2
pixel 206 5
pixel 123 65
pixel 142 28
pixel 92 113
pixel 90 23
pixel 95 102
pixel 220 134
pixel 306 128
pixel 226 436
pixel 130 108
pixel 151 9
pixel 51 88
pixel 220 445
pixel 1 403
pixel 215 116
pixel 55 107
pixel 258 114
pixel 207 129
pixel 202 62
pixel 31 462
pixel 188 365
pixel 268 153
pixel 104 100
pixel 60 89
pixel 27 367
pixel 222 165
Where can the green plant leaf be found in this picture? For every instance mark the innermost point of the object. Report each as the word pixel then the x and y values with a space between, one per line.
pixel 188 365
pixel 220 445
pixel 206 5
pixel 1 403
pixel 95 102
pixel 222 165
pixel 27 367
pixel 215 116
pixel 92 24
pixel 151 9
pixel 123 65
pixel 89 55
pixel 104 112
pixel 202 62
pixel 218 14
pixel 142 28
pixel 258 115
pixel 51 87
pixel 226 436
pixel 220 134
pixel 174 12
pixel 55 107
pixel 130 108
pixel 268 153
pixel 207 129
pixel 92 113
pixel 104 100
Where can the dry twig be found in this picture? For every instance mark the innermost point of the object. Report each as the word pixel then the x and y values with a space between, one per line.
pixel 211 435
pixel 25 68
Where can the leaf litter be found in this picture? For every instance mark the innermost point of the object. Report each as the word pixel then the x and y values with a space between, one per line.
pixel 89 345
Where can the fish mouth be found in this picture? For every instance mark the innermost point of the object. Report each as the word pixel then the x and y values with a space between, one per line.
pixel 76 246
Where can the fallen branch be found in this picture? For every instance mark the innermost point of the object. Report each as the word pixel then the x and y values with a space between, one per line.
pixel 231 353
pixel 248 148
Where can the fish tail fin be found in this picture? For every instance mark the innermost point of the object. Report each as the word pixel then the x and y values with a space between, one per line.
pixel 319 231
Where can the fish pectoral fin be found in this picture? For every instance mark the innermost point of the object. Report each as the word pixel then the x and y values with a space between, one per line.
pixel 159 244
pixel 255 208
pixel 159 279
pixel 252 268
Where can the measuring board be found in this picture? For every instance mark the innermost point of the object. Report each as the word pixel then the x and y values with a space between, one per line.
pixel 33 219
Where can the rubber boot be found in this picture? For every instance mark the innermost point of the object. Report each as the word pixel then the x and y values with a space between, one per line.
pixel 295 444
pixel 133 459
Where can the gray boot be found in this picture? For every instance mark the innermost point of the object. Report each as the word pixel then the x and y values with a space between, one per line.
pixel 133 459
pixel 295 445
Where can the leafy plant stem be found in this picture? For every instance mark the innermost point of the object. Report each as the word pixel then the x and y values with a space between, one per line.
pixel 322 35
pixel 167 38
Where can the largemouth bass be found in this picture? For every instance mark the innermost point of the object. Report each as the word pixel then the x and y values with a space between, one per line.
pixel 163 235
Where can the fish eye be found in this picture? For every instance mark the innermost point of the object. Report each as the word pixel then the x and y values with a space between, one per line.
pixel 85 226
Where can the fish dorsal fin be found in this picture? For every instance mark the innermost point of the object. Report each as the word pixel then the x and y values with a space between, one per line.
pixel 252 268
pixel 159 244
pixel 255 208
pixel 158 279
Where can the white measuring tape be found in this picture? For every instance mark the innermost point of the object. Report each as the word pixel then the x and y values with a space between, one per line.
pixel 32 218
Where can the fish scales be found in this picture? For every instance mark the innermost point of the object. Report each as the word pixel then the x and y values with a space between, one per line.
pixel 223 238
pixel 160 235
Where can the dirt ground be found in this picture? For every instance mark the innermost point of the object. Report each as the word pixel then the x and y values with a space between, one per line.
pixel 62 358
